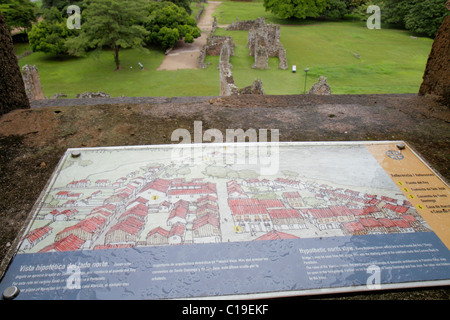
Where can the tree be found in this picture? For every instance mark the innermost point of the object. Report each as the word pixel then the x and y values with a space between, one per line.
pixel 420 16
pixel 12 89
pixel 425 17
pixel 185 4
pixel 337 9
pixel 62 5
pixel 50 34
pixel 110 23
pixel 18 13
pixel 300 9
pixel 167 23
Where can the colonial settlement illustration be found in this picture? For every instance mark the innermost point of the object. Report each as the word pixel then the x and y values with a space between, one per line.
pixel 120 198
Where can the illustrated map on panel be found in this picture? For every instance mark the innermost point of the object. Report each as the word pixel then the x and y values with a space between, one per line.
pixel 108 198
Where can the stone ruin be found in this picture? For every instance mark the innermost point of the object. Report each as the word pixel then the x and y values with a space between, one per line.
pixel 213 45
pixel 227 85
pixel 321 87
pixel 264 42
pixel 245 24
pixel 90 95
pixel 32 83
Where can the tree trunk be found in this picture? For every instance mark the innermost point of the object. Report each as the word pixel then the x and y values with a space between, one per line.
pixel 12 89
pixel 116 57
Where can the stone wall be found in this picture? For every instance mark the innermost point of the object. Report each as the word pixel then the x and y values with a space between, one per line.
pixel 98 94
pixel 213 45
pixel 227 85
pixel 264 42
pixel 321 87
pixel 245 25
pixel 32 82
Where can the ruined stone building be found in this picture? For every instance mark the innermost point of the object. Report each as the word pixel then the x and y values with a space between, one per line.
pixel 264 42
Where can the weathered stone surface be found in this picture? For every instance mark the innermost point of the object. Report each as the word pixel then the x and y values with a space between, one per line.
pixel 32 82
pixel 436 78
pixel 98 94
pixel 12 90
pixel 264 42
pixel 213 46
pixel 283 59
pixel 257 87
pixel 215 43
pixel 58 96
pixel 321 87
pixel 245 24
pixel 261 54
pixel 227 85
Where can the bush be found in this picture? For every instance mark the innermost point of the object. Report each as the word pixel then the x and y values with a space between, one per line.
pixel 168 23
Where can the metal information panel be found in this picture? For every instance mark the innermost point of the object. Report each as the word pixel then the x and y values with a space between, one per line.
pixel 234 221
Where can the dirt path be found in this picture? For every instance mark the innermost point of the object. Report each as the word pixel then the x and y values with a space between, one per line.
pixel 185 55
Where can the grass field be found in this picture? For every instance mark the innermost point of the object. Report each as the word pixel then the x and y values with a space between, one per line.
pixel 390 62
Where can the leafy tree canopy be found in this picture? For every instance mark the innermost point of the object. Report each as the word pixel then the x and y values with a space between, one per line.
pixel 300 9
pixel 62 5
pixel 18 13
pixel 419 16
pixel 425 17
pixel 110 23
pixel 50 34
pixel 168 23
pixel 183 4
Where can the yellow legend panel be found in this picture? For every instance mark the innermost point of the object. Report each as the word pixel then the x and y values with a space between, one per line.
pixel 426 191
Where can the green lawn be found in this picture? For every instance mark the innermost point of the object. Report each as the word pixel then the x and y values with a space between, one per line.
pixel 391 62
pixel 96 73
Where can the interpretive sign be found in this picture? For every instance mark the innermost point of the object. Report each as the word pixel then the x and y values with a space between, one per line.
pixel 234 220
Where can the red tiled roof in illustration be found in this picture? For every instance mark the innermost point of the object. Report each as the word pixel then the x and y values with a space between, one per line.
pixel 177 229
pixel 130 225
pixel 198 188
pixel 398 209
pixel 160 185
pixel 211 219
pixel 401 223
pixel 89 225
pixel 69 243
pixel 38 233
pixel 370 223
pixel 294 194
pixel 353 226
pixel 321 213
pixel 276 235
pixel 283 213
pixel 160 231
